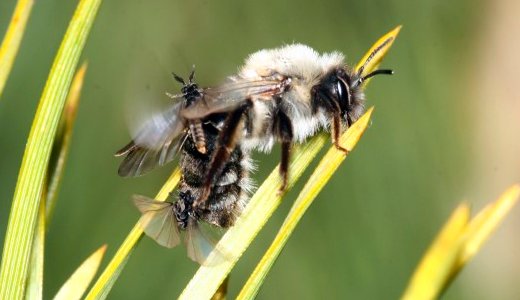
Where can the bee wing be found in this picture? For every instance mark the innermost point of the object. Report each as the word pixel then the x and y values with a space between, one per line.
pixel 230 96
pixel 200 243
pixel 155 143
pixel 158 221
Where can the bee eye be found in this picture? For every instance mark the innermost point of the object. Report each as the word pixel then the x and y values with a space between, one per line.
pixel 340 90
pixel 343 91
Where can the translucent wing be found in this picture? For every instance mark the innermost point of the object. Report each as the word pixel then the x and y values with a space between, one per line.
pixel 158 221
pixel 155 143
pixel 200 243
pixel 231 95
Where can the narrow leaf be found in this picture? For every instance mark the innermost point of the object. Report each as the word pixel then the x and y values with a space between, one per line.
pixel 382 45
pixel 34 289
pixel 109 276
pixel 13 38
pixel 28 191
pixel 486 222
pixel 457 243
pixel 321 175
pixel 61 146
pixel 78 282
pixel 437 262
pixel 59 153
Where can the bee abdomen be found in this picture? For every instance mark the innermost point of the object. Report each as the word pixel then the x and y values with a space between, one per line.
pixel 231 187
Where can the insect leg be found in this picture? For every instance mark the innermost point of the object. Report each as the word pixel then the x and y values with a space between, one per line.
pixel 226 142
pixel 336 131
pixel 284 131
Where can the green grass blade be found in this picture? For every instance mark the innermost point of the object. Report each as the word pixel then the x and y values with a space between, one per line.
pixel 13 38
pixel 56 165
pixel 62 142
pixel 321 175
pixel 109 276
pixel 26 200
pixel 34 289
pixel 78 282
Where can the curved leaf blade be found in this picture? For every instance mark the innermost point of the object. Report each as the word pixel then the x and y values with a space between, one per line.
pixel 26 200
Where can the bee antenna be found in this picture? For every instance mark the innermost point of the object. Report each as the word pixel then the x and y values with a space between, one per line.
pixel 178 78
pixel 192 74
pixel 372 74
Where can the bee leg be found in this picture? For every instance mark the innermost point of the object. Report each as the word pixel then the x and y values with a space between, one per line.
pixel 336 131
pixel 284 131
pixel 226 142
pixel 284 165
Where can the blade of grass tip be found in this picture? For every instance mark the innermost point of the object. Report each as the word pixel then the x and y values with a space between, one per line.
pixel 236 239
pixel 13 38
pixel 78 282
pixel 263 203
pixel 27 196
pixel 62 142
pixel 437 262
pixel 321 175
pixel 111 273
pixel 382 46
pixel 486 222
pixel 480 229
pixel 55 171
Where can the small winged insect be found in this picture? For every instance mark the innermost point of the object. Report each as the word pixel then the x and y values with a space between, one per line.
pixel 163 221
pixel 280 95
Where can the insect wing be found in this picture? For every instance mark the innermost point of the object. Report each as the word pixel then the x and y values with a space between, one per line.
pixel 158 221
pixel 231 95
pixel 200 242
pixel 155 143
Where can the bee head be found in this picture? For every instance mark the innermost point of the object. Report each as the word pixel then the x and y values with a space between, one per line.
pixel 190 89
pixel 183 208
pixel 341 91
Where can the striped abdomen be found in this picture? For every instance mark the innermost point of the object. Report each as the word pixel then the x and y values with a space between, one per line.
pixel 230 189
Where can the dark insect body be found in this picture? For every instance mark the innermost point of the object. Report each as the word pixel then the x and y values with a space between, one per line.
pixel 164 221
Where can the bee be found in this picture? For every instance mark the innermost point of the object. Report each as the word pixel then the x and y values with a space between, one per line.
pixel 283 95
pixel 164 221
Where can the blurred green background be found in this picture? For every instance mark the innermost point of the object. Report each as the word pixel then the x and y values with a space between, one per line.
pixel 432 142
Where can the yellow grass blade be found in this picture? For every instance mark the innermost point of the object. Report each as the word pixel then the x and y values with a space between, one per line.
pixel 78 282
pixel 438 260
pixel 486 222
pixel 384 43
pixel 321 175
pixel 13 38
pixel 31 179
pixel 109 276
pixel 457 243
